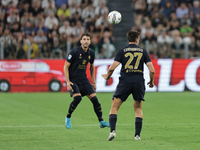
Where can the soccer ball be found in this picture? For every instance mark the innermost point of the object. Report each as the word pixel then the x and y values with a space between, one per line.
pixel 114 17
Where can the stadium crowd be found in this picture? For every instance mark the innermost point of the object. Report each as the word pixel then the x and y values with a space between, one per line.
pixel 50 28
pixel 169 28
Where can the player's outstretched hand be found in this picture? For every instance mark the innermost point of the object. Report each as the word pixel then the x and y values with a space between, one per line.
pixel 151 84
pixel 104 76
pixel 69 86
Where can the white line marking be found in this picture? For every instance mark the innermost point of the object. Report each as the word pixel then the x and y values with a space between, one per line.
pixel 87 125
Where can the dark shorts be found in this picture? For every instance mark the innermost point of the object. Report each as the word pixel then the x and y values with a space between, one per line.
pixel 124 89
pixel 84 87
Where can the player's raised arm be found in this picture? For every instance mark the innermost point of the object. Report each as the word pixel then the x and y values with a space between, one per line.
pixel 111 70
pixel 92 73
pixel 66 72
pixel 151 74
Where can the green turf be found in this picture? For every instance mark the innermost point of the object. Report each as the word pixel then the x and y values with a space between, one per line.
pixel 35 121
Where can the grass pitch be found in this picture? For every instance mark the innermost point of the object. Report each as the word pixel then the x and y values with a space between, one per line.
pixel 35 121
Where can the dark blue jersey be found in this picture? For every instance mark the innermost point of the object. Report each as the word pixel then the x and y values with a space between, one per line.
pixel 79 60
pixel 132 59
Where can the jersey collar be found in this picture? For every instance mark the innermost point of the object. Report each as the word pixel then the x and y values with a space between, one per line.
pixel 132 45
pixel 83 52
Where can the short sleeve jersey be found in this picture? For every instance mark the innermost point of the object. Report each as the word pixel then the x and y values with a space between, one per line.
pixel 132 59
pixel 79 60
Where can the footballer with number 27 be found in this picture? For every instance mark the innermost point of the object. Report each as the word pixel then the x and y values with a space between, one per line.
pixel 131 81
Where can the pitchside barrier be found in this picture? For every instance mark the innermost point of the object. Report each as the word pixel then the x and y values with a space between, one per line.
pixel 172 75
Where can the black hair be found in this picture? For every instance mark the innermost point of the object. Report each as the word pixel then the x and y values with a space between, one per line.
pixel 132 35
pixel 85 34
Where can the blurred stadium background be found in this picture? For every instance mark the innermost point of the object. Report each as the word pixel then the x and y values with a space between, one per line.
pixel 37 35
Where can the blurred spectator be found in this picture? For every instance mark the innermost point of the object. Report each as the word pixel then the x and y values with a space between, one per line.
pixel 155 9
pixel 26 8
pixel 173 24
pixel 7 2
pixel 158 30
pixel 50 21
pixel 156 19
pixel 54 29
pixel 196 21
pixel 52 33
pixel 163 4
pixel 78 30
pixel 96 3
pixel 146 27
pixel 182 10
pixel 85 3
pixel 75 18
pixel 12 18
pixel 164 44
pixel 25 18
pixel 194 49
pixel 100 10
pixel 48 3
pixel 106 35
pixel 33 48
pixel 185 19
pixel 94 45
pixel 1 31
pixel 177 45
pixel 12 9
pixel 19 41
pixel 186 30
pixel 36 8
pixel 56 50
pixel 63 12
pixel 40 39
pixel 75 9
pixel 66 29
pixel 64 43
pixel 28 29
pixel 88 11
pixel 150 42
pixel 92 30
pixel 41 27
pixel 197 32
pixel 2 10
pixel 195 9
pixel 38 19
pixel 15 29
pixel 152 4
pixel 138 21
pixel 102 24
pixel 108 49
pixel 167 9
pixel 60 2
pixel 7 40
pixel 50 8
pixel 140 7
pixel 74 2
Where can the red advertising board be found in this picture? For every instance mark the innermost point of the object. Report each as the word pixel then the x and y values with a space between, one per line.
pixel 172 75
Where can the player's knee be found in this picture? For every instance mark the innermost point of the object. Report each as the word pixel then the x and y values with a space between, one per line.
pixel 77 100
pixel 95 101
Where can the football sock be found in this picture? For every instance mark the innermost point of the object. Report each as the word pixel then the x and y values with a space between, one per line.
pixel 73 105
pixel 97 108
pixel 138 125
pixel 112 121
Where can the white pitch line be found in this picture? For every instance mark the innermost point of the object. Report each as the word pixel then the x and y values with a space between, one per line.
pixel 38 126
